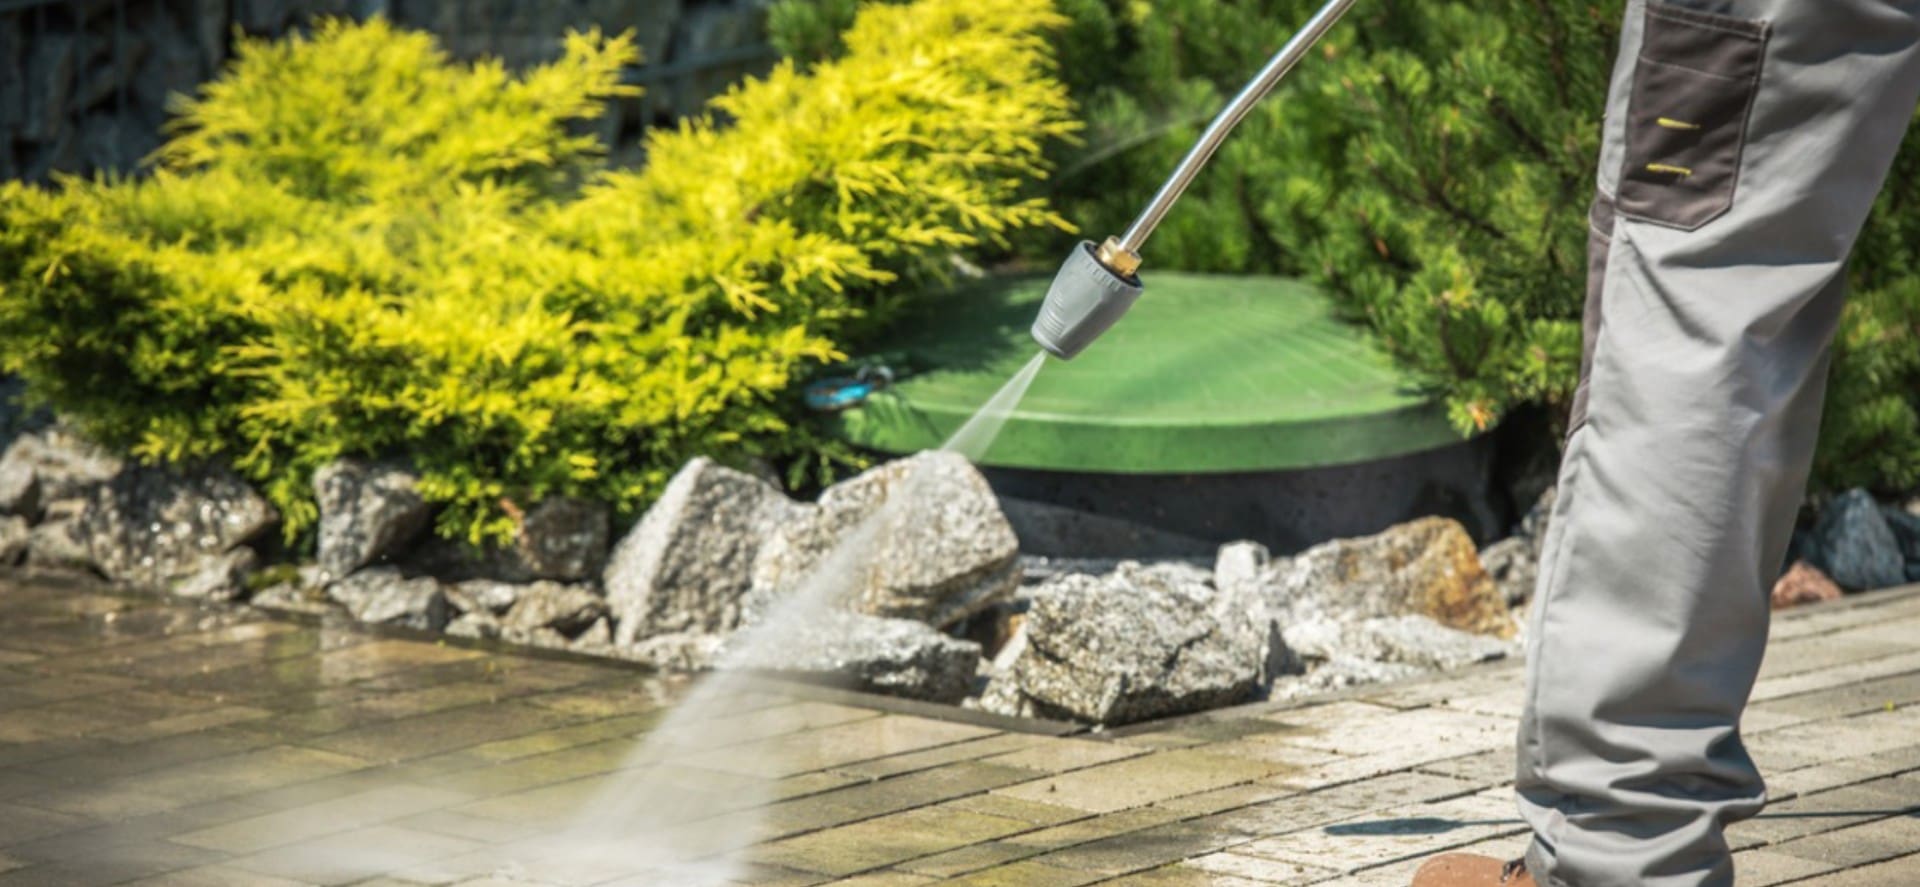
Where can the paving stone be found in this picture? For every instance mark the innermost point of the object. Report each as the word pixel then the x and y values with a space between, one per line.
pixel 837 745
pixel 1415 736
pixel 885 879
pixel 900 793
pixel 974 749
pixel 353 855
pixel 1408 832
pixel 138 831
pixel 886 840
pixel 1814 742
pixel 1821 652
pixel 1232 797
pixel 1289 758
pixel 1146 848
pixel 323 818
pixel 1824 777
pixel 1842 676
pixel 161 790
pixel 1263 870
pixel 1062 755
pixel 1821 812
pixel 1866 696
pixel 1015 808
pixel 216 876
pixel 1858 844
pixel 1493 767
pixel 472 828
pixel 114 863
pixel 1136 782
pixel 1905 870
pixel 20 823
pixel 1316 808
pixel 971 858
pixel 1026 874
pixel 150 722
pixel 1094 828
pixel 1183 876
pixel 1763 868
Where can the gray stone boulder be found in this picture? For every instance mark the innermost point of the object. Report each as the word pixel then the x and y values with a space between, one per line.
pixel 1854 545
pixel 1239 566
pixel 1538 519
pixel 292 597
pixel 480 625
pixel 897 657
pixel 52 465
pixel 1407 640
pixel 368 511
pixel 220 577
pixel 921 538
pixel 1341 673
pixel 484 595
pixel 687 564
pixel 1142 642
pixel 1513 564
pixel 683 651
pixel 597 639
pixel 150 527
pixel 15 535
pixel 19 486
pixel 1426 567
pixel 560 539
pixel 57 541
pixel 383 595
pixel 567 609
pixel 1905 525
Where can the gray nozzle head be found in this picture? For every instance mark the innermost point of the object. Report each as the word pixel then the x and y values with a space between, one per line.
pixel 1086 298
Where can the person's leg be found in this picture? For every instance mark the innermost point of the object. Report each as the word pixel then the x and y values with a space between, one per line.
pixel 1745 142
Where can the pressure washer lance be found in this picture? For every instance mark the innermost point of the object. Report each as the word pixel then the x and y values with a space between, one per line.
pixel 1099 283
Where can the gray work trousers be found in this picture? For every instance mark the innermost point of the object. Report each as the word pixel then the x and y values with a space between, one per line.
pixel 1744 143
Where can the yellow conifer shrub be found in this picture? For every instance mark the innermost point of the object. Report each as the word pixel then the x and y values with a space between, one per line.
pixel 353 245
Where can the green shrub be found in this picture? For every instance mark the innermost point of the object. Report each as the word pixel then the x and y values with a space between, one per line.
pixel 1431 164
pixel 355 246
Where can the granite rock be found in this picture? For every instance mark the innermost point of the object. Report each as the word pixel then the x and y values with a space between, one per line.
pixel 919 538
pixel 383 595
pixel 685 567
pixel 368 511
pixel 897 657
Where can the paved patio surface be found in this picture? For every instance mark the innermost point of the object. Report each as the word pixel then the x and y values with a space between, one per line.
pixel 152 743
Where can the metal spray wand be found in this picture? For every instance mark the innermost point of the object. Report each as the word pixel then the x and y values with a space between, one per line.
pixel 1097 284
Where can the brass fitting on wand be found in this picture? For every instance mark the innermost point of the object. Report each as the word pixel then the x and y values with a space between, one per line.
pixel 1117 258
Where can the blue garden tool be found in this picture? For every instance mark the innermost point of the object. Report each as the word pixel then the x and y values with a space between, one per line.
pixel 1099 283
pixel 836 393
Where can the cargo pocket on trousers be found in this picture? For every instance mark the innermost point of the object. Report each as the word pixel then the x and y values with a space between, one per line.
pixel 1693 86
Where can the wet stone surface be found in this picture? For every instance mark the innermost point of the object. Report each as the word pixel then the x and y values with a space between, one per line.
pixel 155 742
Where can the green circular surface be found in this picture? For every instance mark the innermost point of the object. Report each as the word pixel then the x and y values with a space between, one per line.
pixel 1206 374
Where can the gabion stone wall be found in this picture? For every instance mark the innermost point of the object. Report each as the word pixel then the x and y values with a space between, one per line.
pixel 84 83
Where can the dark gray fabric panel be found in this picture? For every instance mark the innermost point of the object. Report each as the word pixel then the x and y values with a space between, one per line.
pixel 1693 85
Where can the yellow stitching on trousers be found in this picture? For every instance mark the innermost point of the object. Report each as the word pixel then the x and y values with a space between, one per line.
pixel 1670 123
pixel 1680 171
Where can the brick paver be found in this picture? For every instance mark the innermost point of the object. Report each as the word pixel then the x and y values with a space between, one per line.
pixel 153 743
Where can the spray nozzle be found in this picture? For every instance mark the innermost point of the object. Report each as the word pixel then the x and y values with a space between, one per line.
pixel 1095 286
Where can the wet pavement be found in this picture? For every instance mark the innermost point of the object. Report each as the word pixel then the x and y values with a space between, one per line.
pixel 149 742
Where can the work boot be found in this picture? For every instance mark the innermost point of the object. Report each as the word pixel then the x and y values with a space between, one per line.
pixel 1469 870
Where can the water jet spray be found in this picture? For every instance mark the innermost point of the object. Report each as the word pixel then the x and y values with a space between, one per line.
pixel 1098 283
